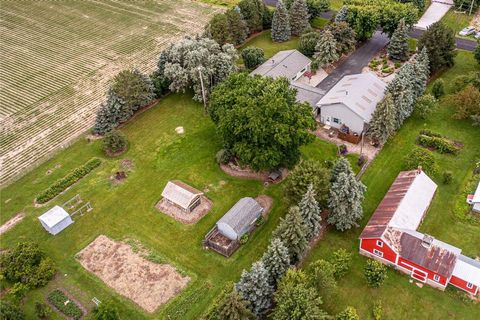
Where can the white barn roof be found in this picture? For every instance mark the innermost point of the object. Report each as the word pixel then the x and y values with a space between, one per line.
pixel 359 92
pixel 55 220
pixel 412 207
pixel 467 269
pixel 285 63
pixel 476 196
pixel 242 214
pixel 180 193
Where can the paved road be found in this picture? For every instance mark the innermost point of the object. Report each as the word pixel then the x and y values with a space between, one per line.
pixel 356 61
pixel 461 43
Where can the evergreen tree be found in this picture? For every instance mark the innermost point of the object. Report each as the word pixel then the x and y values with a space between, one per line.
pixel 346 196
pixel 326 49
pixel 233 307
pixel 421 73
pixel 218 29
pixel 344 35
pixel 280 24
pixel 255 288
pixel 406 76
pixel 237 26
pixel 276 260
pixel 403 99
pixel 108 116
pixel 439 41
pixel 342 14
pixel 477 53
pixel 252 12
pixel 310 211
pixel 308 42
pixel 292 232
pixel 383 123
pixel 398 46
pixel 299 17
pixel 341 165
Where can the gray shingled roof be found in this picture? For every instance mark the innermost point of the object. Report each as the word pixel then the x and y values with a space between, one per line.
pixel 285 63
pixel 242 214
pixel 358 92
pixel 306 93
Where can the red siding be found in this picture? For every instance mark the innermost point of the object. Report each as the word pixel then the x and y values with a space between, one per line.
pixel 370 244
pixel 462 284
pixel 430 274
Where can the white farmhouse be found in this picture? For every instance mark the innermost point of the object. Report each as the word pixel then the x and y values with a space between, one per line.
pixel 351 102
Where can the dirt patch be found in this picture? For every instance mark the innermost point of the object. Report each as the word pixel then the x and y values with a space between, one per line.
pixel 184 217
pixel 126 164
pixel 11 223
pixel 146 283
pixel 266 203
pixel 247 173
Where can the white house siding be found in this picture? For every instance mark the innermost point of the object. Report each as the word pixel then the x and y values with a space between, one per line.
pixel 345 116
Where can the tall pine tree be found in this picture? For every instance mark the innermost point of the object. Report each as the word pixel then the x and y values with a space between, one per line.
pixel 233 307
pixel 326 49
pixel 342 14
pixel 237 26
pixel 255 288
pixel 310 211
pixel 280 24
pixel 108 116
pixel 403 97
pixel 292 232
pixel 421 73
pixel 276 260
pixel 299 17
pixel 382 125
pixel 398 46
pixel 439 40
pixel 346 196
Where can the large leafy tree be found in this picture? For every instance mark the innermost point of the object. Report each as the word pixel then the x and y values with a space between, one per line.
pixel 299 17
pixel 398 46
pixel 326 49
pixel 276 260
pixel 383 122
pixel 292 232
pixel 308 172
pixel 253 57
pixel 237 26
pixel 308 42
pixel 184 62
pixel 344 36
pixel 253 13
pixel 439 41
pixel 255 288
pixel 260 120
pixel 321 275
pixel 218 29
pixel 280 24
pixel 346 196
pixel 296 300
pixel 233 307
pixel 310 211
pixel 316 7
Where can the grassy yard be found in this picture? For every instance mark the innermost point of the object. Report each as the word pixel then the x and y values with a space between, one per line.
pixel 264 41
pixel 401 299
pixel 457 21
pixel 127 210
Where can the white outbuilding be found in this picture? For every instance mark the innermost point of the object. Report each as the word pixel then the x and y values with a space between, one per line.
pixel 55 220
pixel 240 219
pixel 182 195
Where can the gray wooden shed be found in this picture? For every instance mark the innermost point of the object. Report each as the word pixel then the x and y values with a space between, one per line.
pixel 55 220
pixel 240 218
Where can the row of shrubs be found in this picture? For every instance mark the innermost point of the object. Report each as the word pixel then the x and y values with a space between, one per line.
pixel 60 185
pixel 441 145
pixel 57 298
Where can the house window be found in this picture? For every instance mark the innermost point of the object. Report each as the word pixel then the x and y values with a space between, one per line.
pixel 379 243
pixel 303 70
pixel 436 278
pixel 336 120
pixel 469 285
pixel 378 253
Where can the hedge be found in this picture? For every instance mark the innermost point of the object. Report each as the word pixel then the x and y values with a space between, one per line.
pixel 431 133
pixel 65 182
pixel 57 298
pixel 440 144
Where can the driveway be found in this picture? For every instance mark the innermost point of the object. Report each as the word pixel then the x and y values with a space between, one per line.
pixel 356 61
pixel 434 13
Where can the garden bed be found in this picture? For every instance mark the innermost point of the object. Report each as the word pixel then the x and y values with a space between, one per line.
pixel 178 214
pixel 66 305
pixel 247 173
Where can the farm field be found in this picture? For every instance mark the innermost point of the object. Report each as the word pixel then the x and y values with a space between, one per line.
pixel 57 58
pixel 401 299
pixel 126 211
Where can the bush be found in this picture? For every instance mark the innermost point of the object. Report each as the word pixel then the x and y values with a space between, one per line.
pixel 350 313
pixel 9 311
pixel 28 265
pixel 341 261
pixel 438 88
pixel 224 156
pixel 397 65
pixel 447 177
pixel 114 143
pixel 307 43
pixel 60 185
pixel 377 310
pixel 425 105
pixel 18 291
pixel 244 239
pixel 439 144
pixel 253 57
pixel 106 311
pixel 466 102
pixel 57 298
pixel 431 133
pixel 375 273
pixel 462 81
pixel 420 157
pixel 42 310
pixel 321 275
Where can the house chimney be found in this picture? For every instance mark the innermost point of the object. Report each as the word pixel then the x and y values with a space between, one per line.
pixel 427 241
pixel 419 169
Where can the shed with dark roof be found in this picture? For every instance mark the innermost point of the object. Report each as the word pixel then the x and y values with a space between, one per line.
pixel 240 219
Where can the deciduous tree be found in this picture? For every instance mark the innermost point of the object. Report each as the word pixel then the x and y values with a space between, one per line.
pixel 316 7
pixel 299 17
pixel 233 307
pixel 375 273
pixel 308 42
pixel 237 26
pixel 439 41
pixel 280 23
pixel 218 29
pixel 252 12
pixel 321 275
pixel 253 57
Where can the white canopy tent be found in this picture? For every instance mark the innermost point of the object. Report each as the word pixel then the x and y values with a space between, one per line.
pixel 55 220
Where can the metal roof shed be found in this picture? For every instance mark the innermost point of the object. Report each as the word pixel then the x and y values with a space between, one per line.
pixel 240 218
pixel 55 220
pixel 182 195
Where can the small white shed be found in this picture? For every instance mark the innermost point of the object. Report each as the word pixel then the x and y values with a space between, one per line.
pixel 240 218
pixel 182 195
pixel 55 220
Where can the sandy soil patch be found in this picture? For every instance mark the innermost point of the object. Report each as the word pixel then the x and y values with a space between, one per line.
pixel 266 203
pixel 186 218
pixel 11 223
pixel 146 283
pixel 247 173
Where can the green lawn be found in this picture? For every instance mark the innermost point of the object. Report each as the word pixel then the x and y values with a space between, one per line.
pixel 264 41
pixel 457 21
pixel 319 23
pixel 127 210
pixel 402 300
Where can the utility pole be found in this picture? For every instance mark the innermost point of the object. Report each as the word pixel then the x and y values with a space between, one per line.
pixel 203 89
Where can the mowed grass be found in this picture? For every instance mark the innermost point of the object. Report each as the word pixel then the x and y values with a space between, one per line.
pixel 401 299
pixel 127 210
pixel 264 41
pixel 457 21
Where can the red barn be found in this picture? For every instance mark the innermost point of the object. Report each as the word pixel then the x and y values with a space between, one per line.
pixel 391 237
